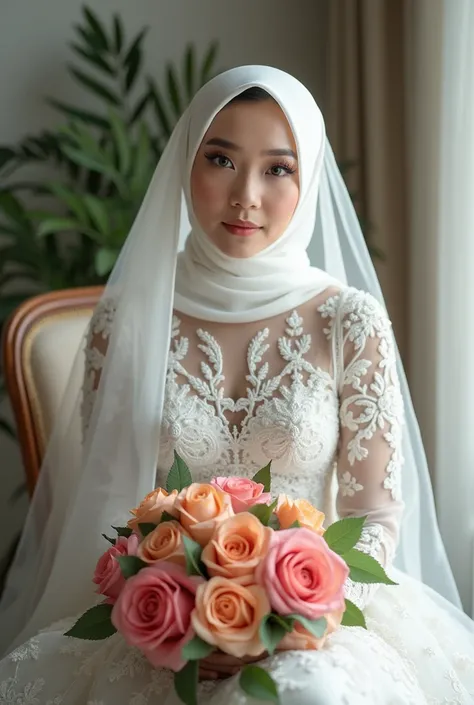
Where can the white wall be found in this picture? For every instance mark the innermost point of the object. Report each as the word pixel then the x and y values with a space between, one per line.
pixel 34 40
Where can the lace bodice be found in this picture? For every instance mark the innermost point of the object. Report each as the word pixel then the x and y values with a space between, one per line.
pixel 314 391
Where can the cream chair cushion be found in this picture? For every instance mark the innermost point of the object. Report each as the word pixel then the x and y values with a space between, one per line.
pixel 49 351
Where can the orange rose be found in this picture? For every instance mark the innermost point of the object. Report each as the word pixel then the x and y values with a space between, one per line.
pixel 300 639
pixel 290 510
pixel 165 543
pixel 201 508
pixel 152 507
pixel 236 547
pixel 228 615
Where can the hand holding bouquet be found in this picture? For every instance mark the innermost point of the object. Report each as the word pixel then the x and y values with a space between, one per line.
pixel 222 567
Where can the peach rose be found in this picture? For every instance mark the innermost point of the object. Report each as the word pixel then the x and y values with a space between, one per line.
pixel 290 510
pixel 228 615
pixel 245 493
pixel 108 574
pixel 201 508
pixel 301 574
pixel 300 639
pixel 164 544
pixel 236 547
pixel 153 613
pixel 150 510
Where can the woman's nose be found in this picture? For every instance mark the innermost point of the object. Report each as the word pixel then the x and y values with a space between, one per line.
pixel 246 193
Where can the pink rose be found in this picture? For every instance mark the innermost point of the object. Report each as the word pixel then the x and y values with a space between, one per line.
pixel 153 613
pixel 244 493
pixel 108 575
pixel 302 575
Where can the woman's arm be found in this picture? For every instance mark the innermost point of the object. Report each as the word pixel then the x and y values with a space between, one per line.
pixel 371 416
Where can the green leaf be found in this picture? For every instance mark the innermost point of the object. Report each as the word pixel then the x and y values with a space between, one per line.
pixel 274 523
pixel 196 649
pixel 56 225
pixel 258 683
pixel 107 538
pixel 295 525
pixel 263 512
pixel 146 528
pixel 164 122
pixel 77 113
pixel 365 569
pixel 96 28
pixel 193 551
pixel 316 627
pixel 122 141
pixel 93 58
pixel 94 624
pixel 189 71
pixel 167 517
pixel 72 200
pixel 95 86
pixel 173 90
pixel 208 65
pixel 133 67
pixel 105 260
pixel 272 629
pixel 264 477
pixel 186 682
pixel 179 476
pixel 138 110
pixel 353 617
pixel 97 212
pixel 118 34
pixel 130 565
pixel 344 534
pixel 123 531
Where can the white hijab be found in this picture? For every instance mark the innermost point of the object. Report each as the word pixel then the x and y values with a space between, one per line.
pixel 78 498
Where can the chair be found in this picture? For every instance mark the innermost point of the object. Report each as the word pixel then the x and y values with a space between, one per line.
pixel 40 341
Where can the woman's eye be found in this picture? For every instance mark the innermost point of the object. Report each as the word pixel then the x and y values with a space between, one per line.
pixel 220 160
pixel 278 171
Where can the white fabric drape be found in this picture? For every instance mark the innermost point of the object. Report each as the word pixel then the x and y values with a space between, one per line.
pixel 441 65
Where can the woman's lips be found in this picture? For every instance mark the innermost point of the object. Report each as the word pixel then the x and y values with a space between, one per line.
pixel 243 230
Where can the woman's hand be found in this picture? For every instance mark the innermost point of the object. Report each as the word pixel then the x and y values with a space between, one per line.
pixel 219 665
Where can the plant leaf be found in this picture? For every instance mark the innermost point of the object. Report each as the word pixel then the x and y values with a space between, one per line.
pixel 173 90
pixel 208 64
pixel 344 534
pixel 93 57
pixel 98 213
pixel 273 628
pixel 95 86
pixel 133 67
pixel 167 517
pixel 189 72
pixel 55 225
pixel 179 476
pixel 185 683
pixel 193 552
pixel 96 28
pixel 105 259
pixel 264 477
pixel 263 512
pixel 365 569
pixel 196 649
pixel 259 684
pixel 130 565
pixel 353 617
pixel 118 34
pixel 316 627
pixel 295 525
pixel 123 531
pixel 77 113
pixel 160 111
pixel 124 148
pixel 146 528
pixel 94 624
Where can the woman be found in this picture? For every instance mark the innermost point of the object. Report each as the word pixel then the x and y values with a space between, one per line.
pixel 269 359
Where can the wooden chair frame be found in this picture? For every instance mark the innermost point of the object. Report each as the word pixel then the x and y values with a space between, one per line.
pixel 17 330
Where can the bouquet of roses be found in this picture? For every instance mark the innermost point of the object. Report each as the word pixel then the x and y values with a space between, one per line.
pixel 220 566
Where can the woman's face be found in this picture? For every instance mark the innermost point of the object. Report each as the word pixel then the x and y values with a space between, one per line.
pixel 244 180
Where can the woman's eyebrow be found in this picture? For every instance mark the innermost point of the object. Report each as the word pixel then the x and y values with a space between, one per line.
pixel 219 142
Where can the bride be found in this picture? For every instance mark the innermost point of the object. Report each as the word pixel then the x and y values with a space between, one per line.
pixel 234 352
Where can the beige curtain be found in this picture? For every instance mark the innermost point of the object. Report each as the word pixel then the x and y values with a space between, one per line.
pixel 366 125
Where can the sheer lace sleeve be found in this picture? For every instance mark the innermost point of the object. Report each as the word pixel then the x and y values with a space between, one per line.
pixel 371 414
pixel 96 347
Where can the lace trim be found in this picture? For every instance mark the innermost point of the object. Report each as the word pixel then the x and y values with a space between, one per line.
pixel 370 543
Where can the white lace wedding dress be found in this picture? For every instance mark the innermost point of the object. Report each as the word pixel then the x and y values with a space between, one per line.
pixel 314 390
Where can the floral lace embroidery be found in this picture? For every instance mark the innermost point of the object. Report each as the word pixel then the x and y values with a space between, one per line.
pixel 348 485
pixel 370 543
pixel 380 403
pixel 27 696
pixel 29 650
